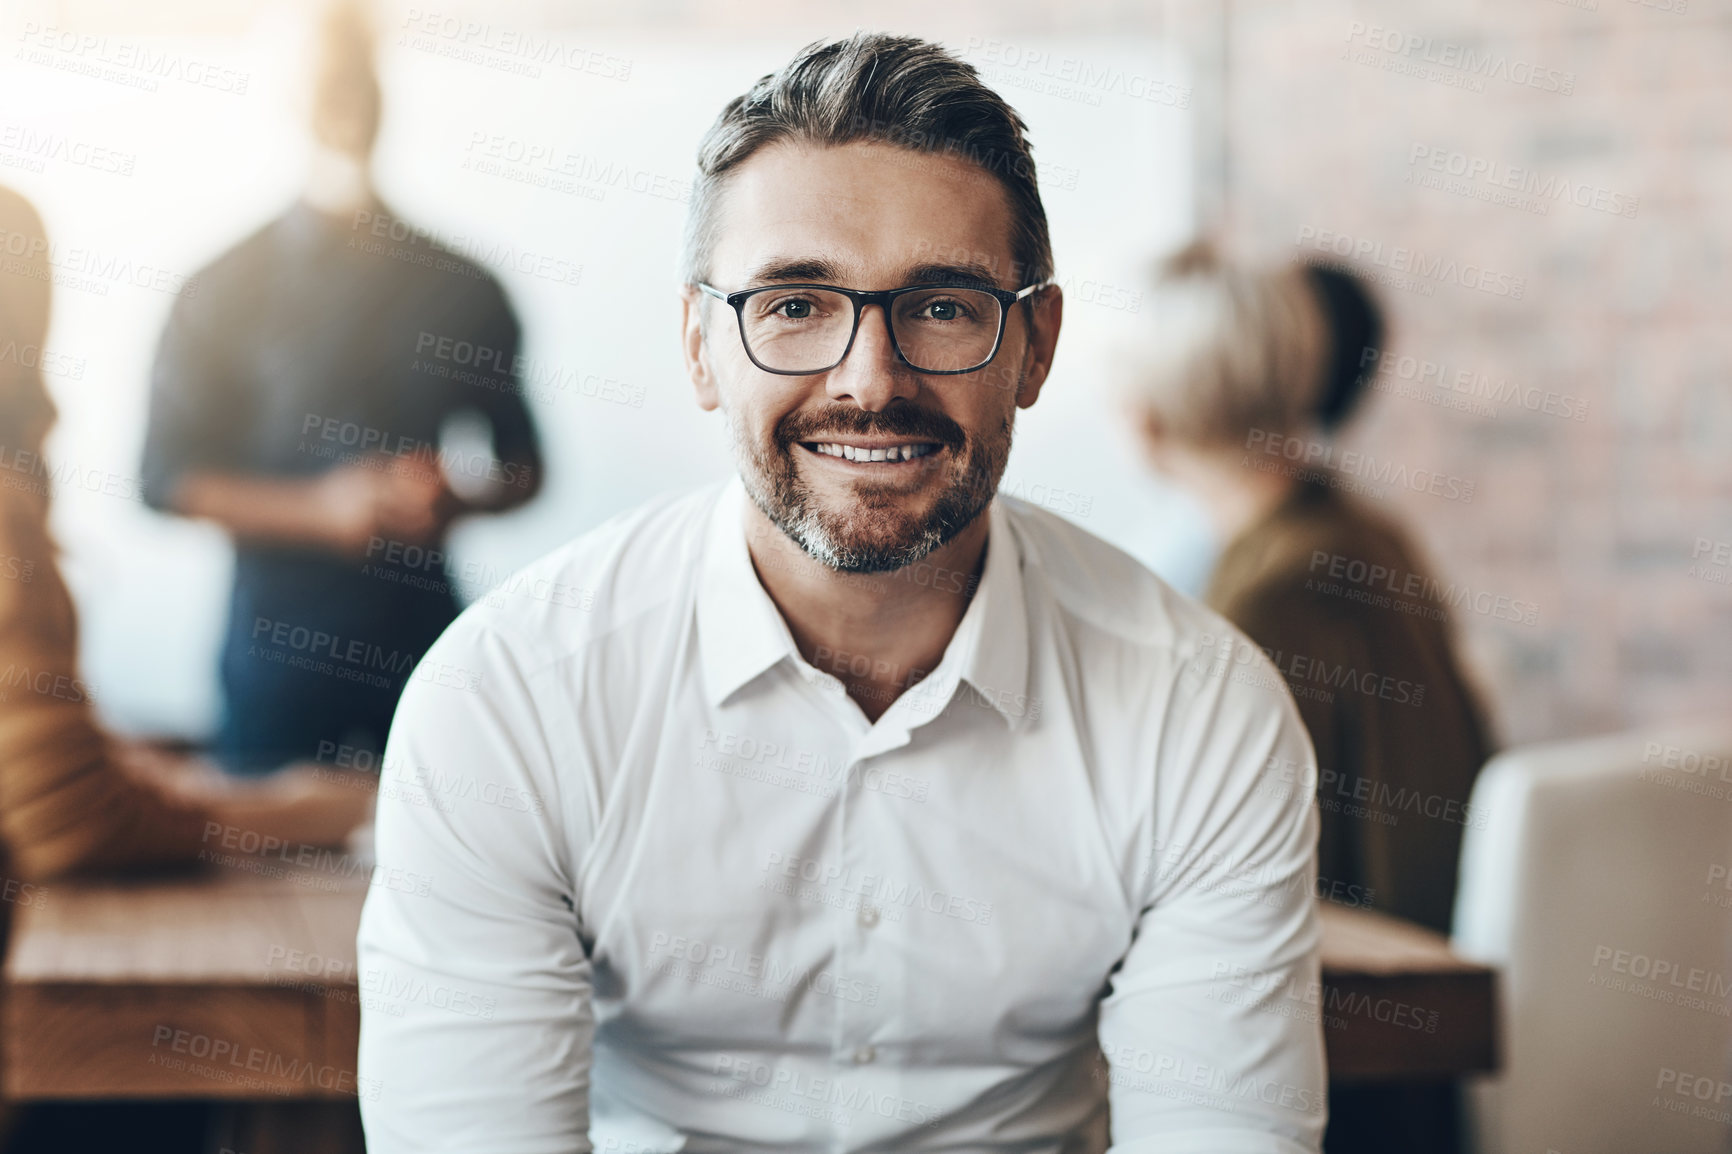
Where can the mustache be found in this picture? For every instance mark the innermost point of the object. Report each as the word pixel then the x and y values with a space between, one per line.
pixel 902 421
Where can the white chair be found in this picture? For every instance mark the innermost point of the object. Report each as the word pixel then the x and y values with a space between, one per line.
pixel 1597 876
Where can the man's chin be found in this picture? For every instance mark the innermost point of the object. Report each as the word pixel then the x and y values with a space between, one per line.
pixel 864 534
pixel 859 536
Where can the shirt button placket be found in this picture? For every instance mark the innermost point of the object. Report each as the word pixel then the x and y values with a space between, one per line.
pixel 857 948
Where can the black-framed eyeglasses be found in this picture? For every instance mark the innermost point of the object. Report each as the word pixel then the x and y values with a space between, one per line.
pixel 944 329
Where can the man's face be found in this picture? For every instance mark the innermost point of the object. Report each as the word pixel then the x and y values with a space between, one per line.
pixel 866 216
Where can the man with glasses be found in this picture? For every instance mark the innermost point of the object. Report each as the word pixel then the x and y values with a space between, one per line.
pixel 845 806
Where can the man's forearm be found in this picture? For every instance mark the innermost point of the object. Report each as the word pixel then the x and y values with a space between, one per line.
pixel 269 510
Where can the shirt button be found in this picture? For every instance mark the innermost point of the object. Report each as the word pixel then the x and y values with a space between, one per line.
pixel 868 916
pixel 864 1055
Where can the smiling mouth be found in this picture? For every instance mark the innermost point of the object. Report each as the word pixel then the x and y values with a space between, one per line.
pixel 865 454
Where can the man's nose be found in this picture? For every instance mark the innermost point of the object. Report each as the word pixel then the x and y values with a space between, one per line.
pixel 872 375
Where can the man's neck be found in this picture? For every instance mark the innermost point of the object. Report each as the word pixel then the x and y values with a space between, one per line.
pixel 338 184
pixel 879 633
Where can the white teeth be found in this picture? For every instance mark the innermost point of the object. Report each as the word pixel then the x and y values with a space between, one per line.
pixel 893 453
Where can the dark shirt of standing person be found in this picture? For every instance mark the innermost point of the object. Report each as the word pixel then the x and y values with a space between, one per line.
pixel 312 347
pixel 300 398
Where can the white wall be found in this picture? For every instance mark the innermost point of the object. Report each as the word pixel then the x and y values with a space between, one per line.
pixel 207 166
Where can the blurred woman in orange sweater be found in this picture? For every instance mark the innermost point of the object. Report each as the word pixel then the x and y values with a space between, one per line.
pixel 72 796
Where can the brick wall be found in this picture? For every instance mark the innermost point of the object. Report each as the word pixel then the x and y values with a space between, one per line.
pixel 1571 250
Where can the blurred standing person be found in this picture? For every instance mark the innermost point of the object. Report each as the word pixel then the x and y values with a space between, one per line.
pixel 74 798
pixel 298 401
pixel 1241 359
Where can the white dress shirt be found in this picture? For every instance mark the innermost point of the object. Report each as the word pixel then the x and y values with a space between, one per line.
pixel 681 894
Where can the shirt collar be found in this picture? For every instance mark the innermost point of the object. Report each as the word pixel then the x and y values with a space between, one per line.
pixel 741 633
pixel 992 640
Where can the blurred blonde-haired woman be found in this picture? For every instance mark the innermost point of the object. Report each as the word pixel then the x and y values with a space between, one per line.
pixel 1238 381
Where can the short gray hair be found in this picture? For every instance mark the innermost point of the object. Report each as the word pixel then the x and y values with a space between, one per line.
pixel 1228 348
pixel 887 89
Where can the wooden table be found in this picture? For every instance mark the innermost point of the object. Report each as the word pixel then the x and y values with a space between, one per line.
pixel 243 987
pixel 1398 1005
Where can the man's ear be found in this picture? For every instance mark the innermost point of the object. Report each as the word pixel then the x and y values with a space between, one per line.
pixel 1048 313
pixel 692 304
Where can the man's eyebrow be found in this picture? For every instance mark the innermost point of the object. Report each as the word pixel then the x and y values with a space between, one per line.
pixel 968 272
pixel 794 270
pixel 786 270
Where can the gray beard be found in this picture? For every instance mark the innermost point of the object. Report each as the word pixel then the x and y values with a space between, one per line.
pixel 840 541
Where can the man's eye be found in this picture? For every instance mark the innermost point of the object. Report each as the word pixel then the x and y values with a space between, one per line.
pixel 798 308
pixel 944 310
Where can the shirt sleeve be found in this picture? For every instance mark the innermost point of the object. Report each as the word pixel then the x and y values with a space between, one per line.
pixel 476 1017
pixel 198 402
pixel 1211 1026
pixel 498 395
pixel 1284 618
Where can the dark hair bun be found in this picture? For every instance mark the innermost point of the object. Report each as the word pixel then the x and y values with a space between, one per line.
pixel 1355 323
